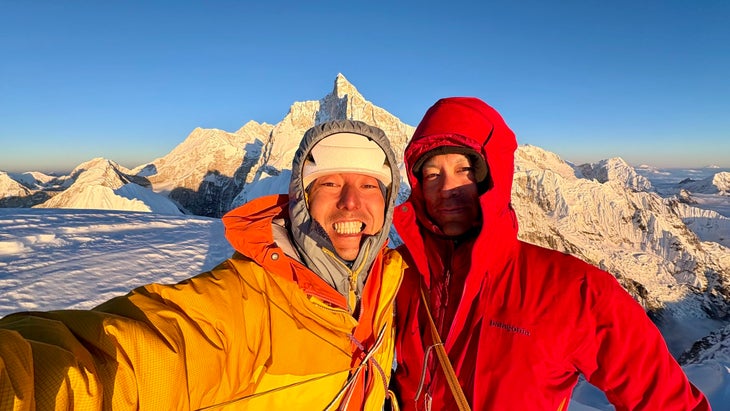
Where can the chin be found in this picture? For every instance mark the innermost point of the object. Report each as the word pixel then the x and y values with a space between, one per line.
pixel 455 231
pixel 347 256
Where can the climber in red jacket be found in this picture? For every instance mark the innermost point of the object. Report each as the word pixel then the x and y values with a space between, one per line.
pixel 519 323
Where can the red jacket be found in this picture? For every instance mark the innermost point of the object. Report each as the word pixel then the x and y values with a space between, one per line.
pixel 519 322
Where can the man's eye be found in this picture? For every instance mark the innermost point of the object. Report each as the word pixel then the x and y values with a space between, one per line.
pixel 430 176
pixel 466 169
pixel 369 186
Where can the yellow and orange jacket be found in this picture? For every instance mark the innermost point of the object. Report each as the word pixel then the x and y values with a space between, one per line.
pixel 260 332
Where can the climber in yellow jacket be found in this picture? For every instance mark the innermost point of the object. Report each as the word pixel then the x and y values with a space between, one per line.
pixel 300 317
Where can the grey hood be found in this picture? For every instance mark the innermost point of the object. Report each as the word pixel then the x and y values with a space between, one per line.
pixel 309 238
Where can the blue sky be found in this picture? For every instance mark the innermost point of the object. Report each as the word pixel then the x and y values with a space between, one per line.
pixel 647 81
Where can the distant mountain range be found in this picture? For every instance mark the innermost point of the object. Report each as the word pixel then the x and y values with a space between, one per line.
pixel 670 255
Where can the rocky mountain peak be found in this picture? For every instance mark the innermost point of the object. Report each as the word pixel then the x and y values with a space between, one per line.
pixel 617 170
pixel 529 157
pixel 10 187
pixel 343 103
pixel 344 88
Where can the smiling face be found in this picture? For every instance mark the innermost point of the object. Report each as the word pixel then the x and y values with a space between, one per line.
pixel 450 191
pixel 347 206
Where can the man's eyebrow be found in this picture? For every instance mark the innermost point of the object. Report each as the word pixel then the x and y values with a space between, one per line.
pixel 458 162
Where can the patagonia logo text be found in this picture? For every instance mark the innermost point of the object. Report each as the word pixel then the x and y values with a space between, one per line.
pixel 509 327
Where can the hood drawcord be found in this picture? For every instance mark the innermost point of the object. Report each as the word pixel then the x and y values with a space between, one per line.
pixel 353 293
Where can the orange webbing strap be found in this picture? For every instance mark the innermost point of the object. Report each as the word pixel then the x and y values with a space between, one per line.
pixel 451 379
pixel 345 393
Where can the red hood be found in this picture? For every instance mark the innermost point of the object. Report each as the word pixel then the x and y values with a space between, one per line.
pixel 467 122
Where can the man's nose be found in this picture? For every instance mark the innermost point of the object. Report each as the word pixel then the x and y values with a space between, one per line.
pixel 349 197
pixel 449 186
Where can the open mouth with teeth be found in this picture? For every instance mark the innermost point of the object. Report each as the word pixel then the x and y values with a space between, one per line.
pixel 349 227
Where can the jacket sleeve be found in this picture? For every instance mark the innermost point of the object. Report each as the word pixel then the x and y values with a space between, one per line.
pixel 159 347
pixel 626 355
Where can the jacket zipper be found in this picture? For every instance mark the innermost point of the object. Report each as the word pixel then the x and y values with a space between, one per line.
pixel 352 294
pixel 442 311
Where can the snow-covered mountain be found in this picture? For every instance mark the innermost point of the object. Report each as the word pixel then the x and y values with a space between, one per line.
pixel 34 179
pixel 715 346
pixel 20 190
pixel 9 187
pixel 615 169
pixel 208 168
pixel 709 225
pixel 343 103
pixel 213 171
pixel 716 184
pixel 105 185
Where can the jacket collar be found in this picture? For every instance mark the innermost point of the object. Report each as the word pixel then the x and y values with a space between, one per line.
pixel 251 229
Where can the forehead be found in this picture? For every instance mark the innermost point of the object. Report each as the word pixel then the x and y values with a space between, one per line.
pixel 347 176
pixel 441 160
